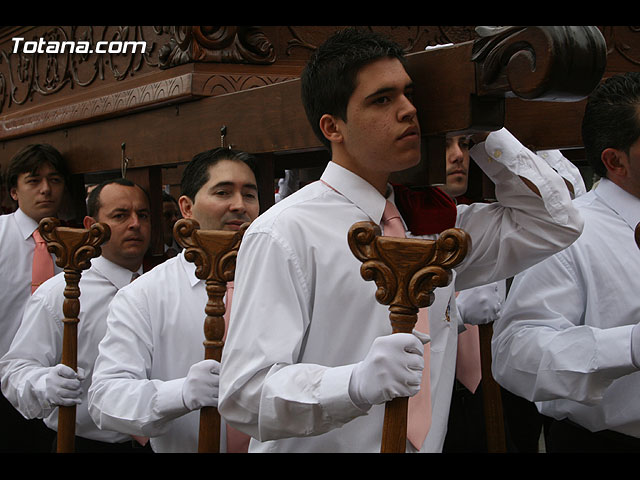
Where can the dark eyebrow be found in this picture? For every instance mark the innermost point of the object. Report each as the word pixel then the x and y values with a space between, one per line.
pixel 231 184
pixel 383 90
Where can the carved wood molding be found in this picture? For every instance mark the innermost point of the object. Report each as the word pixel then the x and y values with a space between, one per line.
pixel 623 40
pixel 223 44
pixel 125 101
pixel 181 88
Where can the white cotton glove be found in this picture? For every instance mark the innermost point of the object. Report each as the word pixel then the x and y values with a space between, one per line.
pixel 63 385
pixel 480 305
pixel 392 368
pixel 200 388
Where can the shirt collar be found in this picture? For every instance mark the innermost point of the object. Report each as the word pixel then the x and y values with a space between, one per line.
pixel 26 224
pixel 357 190
pixel 116 274
pixel 626 205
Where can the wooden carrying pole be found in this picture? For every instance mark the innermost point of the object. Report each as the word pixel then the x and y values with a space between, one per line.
pixel 406 271
pixel 74 248
pixel 214 254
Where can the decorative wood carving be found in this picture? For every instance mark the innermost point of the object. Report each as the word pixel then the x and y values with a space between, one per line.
pixel 31 74
pixel 224 44
pixel 406 271
pixel 548 63
pixel 214 253
pixel 74 248
pixel 622 41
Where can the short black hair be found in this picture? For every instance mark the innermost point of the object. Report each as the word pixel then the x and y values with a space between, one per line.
pixel 93 202
pixel 196 173
pixel 30 158
pixel 611 118
pixel 329 78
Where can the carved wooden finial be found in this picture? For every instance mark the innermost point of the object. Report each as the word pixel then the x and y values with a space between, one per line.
pixel 543 63
pixel 214 253
pixel 406 271
pixel 74 248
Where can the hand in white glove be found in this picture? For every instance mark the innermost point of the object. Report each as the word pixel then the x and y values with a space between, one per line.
pixel 480 305
pixel 200 388
pixel 62 385
pixel 392 368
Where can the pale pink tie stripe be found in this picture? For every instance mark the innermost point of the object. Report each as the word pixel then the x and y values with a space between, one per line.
pixel 42 268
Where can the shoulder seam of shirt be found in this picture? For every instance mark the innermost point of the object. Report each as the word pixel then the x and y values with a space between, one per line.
pixel 282 243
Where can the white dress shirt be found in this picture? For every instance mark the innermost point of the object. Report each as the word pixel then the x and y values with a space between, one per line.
pixel 16 262
pixel 564 338
pixel 154 334
pixel 303 315
pixel 37 346
pixel 566 169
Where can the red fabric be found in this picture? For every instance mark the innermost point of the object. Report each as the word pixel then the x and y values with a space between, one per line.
pixel 425 211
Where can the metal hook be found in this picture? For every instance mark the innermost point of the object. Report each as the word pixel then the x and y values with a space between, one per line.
pixel 223 133
pixel 125 161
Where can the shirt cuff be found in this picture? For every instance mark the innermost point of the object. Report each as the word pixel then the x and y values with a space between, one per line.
pixel 334 393
pixel 169 398
pixel 501 156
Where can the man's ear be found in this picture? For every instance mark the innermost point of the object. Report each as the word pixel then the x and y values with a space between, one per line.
pixel 615 161
pixel 330 127
pixel 88 221
pixel 186 206
pixel 14 193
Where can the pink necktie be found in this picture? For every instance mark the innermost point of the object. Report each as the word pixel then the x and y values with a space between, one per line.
pixel 42 268
pixel 237 442
pixel 419 411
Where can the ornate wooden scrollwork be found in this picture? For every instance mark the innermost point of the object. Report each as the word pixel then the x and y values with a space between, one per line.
pixel 546 63
pixel 214 253
pixel 406 271
pixel 74 248
pixel 225 44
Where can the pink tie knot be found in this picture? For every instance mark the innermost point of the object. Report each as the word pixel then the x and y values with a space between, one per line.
pixel 392 221
pixel 37 237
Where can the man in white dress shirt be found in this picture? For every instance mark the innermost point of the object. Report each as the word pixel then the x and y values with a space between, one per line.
pixel 568 338
pixel 36 179
pixel 308 362
pixel 33 378
pixel 150 378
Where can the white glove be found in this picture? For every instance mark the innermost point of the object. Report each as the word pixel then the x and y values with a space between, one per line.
pixel 392 368
pixel 62 385
pixel 480 305
pixel 200 388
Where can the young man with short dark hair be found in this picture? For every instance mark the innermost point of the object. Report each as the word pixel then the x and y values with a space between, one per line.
pixel 309 360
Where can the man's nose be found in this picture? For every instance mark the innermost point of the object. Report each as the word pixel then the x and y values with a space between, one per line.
pixel 237 203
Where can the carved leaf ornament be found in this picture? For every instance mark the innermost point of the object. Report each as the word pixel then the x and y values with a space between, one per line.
pixel 406 270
